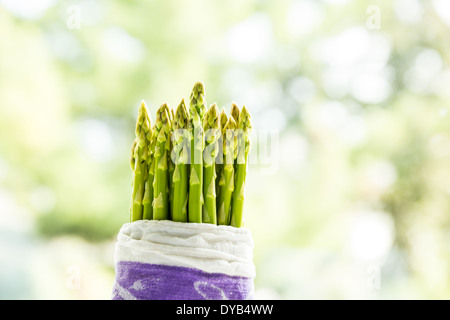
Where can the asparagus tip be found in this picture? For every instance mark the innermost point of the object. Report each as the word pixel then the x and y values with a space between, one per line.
pixel 235 111
pixel 212 114
pixel 197 102
pixel 231 124
pixel 223 118
pixel 181 117
pixel 244 119
pixel 199 88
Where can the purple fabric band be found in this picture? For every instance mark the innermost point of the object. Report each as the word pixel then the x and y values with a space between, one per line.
pixel 144 281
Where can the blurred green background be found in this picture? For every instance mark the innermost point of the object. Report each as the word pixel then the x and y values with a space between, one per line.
pixel 348 192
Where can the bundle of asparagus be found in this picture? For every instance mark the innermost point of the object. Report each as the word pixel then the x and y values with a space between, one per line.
pixel 190 165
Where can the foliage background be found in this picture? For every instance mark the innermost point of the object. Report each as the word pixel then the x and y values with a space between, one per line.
pixel 349 199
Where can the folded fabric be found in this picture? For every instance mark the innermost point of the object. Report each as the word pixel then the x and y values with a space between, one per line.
pixel 167 260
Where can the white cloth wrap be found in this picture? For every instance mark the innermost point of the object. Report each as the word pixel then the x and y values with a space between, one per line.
pixel 207 247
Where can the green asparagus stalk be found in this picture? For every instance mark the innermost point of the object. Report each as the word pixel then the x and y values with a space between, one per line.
pixel 180 152
pixel 211 128
pixel 140 155
pixel 133 164
pixel 197 110
pixel 243 149
pixel 148 194
pixel 132 158
pixel 219 158
pixel 227 178
pixel 170 163
pixel 162 147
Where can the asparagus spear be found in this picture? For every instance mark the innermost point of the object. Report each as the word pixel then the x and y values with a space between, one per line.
pixel 180 157
pixel 243 149
pixel 227 179
pixel 212 132
pixel 219 159
pixel 223 119
pixel 140 155
pixel 235 112
pixel 133 164
pixel 148 194
pixel 170 163
pixel 132 158
pixel 196 109
pixel 160 182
